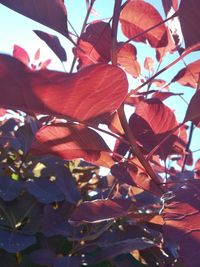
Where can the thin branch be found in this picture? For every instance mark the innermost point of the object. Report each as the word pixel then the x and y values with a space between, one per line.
pixel 185 53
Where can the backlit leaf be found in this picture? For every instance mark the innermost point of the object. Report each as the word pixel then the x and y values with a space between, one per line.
pixel 69 141
pixel 189 76
pixel 138 16
pixel 89 95
pixel 21 54
pixel 52 13
pixel 126 57
pixel 151 122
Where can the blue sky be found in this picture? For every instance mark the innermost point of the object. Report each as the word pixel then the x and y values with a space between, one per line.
pixel 17 29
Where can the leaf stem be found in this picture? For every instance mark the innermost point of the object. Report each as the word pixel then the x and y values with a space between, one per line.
pixel 136 150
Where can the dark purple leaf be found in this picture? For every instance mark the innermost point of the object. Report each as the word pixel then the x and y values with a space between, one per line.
pixel 52 13
pixel 100 210
pixel 53 42
pixel 189 19
pixel 44 190
pixel 123 247
pixel 68 262
pixel 55 221
pixel 9 188
pixel 43 256
pixel 14 242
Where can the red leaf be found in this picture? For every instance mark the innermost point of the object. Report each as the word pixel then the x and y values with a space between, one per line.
pixel 182 217
pixel 21 54
pixel 151 122
pixel 54 43
pixel 149 64
pixel 89 95
pixel 189 19
pixel 189 76
pixel 100 210
pixel 96 42
pixel 126 57
pixel 193 110
pixel 138 16
pixel 69 141
pixel 52 13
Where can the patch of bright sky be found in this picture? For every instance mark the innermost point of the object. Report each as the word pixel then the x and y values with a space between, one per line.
pixel 17 29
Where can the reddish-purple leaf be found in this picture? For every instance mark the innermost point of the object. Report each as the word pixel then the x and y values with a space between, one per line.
pixel 189 76
pixel 69 141
pixel 87 96
pixel 21 54
pixel 122 247
pixel 138 16
pixel 135 174
pixel 100 210
pixel 96 44
pixel 151 122
pixel 193 110
pixel 53 42
pixel 126 57
pixel 52 13
pixel 182 217
pixel 189 18
pixel 168 4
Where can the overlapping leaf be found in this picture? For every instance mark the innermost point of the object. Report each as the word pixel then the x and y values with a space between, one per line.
pixel 96 44
pixel 69 141
pixel 134 174
pixel 182 217
pixel 89 95
pixel 138 16
pixel 189 76
pixel 100 210
pixel 50 13
pixel 126 57
pixel 151 122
